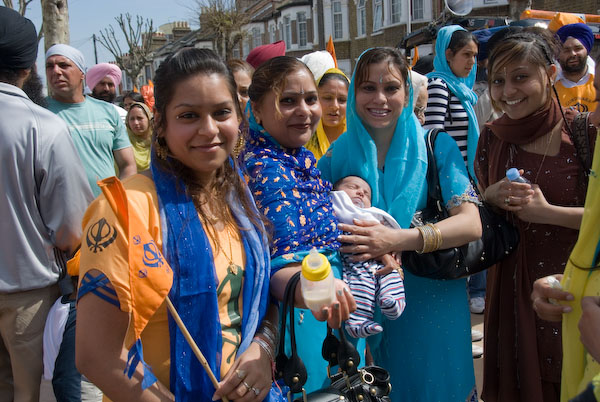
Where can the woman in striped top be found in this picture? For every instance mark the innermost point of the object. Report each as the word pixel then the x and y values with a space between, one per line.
pixel 451 98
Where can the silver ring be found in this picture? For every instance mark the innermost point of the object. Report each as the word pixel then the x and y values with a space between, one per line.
pixel 248 387
pixel 256 391
pixel 507 200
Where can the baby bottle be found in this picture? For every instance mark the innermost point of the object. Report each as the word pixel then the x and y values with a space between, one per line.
pixel 317 281
pixel 513 174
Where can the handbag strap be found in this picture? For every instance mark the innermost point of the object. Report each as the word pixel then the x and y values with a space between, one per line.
pixel 581 141
pixel 578 132
pixel 434 190
pixel 292 369
pixel 348 356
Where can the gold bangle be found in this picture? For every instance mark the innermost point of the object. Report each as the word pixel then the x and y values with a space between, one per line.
pixel 427 235
pixel 438 236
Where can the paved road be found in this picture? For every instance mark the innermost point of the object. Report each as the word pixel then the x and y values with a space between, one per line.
pixel 46 394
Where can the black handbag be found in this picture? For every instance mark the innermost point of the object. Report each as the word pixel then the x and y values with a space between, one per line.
pixel 351 384
pixel 499 238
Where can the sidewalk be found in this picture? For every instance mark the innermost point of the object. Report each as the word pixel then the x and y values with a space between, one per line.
pixel 477 323
pixel 46 393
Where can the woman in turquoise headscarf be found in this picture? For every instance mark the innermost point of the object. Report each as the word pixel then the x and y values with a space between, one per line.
pixel 428 350
pixel 450 108
pixel 451 97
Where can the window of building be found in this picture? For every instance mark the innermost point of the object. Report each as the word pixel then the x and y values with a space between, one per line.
pixel 246 48
pixel 361 18
pixel 302 33
pixel 148 71
pixel 256 37
pixel 396 11
pixel 287 32
pixel 338 27
pixel 377 15
pixel 236 52
pixel 272 34
pixel 418 9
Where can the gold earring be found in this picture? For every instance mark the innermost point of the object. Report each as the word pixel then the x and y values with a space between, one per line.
pixel 161 148
pixel 239 144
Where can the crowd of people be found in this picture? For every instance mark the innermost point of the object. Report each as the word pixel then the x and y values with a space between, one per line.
pixel 185 219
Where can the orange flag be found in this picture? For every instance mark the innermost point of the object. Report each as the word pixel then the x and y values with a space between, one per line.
pixel 331 49
pixel 150 276
pixel 148 94
pixel 415 57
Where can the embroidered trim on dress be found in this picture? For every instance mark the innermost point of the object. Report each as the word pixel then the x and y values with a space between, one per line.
pixel 470 195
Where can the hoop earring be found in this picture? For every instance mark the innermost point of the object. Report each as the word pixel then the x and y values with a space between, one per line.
pixel 161 148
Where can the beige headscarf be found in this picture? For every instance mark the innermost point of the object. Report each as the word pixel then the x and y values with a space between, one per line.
pixel 141 145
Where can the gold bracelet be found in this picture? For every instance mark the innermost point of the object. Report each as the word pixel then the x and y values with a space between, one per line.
pixel 438 236
pixel 426 234
pixel 432 238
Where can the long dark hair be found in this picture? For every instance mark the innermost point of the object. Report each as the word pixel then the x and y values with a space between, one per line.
pixel 178 67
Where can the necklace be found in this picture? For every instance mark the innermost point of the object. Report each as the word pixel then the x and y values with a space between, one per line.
pixel 232 268
pixel 555 128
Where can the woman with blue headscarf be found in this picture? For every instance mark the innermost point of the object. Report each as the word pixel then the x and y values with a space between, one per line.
pixel 450 107
pixel 428 350
pixel 451 97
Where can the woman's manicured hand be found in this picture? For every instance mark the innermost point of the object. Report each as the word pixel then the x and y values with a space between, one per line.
pixel 368 239
pixel 249 378
pixel 537 210
pixel 541 295
pixel 340 309
pixel 507 195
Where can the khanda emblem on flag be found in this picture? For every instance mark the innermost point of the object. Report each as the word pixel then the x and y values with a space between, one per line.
pixel 152 256
pixel 100 235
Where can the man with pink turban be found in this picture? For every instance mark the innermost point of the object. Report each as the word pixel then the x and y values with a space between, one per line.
pixel 102 80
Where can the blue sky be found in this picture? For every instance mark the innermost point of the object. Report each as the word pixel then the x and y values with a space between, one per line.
pixel 87 17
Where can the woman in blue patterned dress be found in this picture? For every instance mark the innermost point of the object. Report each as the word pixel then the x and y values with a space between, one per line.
pixel 288 190
pixel 428 350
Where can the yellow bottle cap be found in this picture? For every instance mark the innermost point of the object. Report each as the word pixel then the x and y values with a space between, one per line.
pixel 315 266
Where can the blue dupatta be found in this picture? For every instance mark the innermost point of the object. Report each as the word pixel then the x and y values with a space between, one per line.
pixel 460 87
pixel 188 251
pixel 396 190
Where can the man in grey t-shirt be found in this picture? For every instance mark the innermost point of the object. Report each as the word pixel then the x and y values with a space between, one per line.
pixel 43 196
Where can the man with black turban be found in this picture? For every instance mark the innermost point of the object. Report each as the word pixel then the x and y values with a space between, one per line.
pixel 40 168
pixel 575 83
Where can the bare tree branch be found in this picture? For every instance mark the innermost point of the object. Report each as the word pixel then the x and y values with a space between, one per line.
pixel 22 5
pixel 138 37
pixel 224 20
